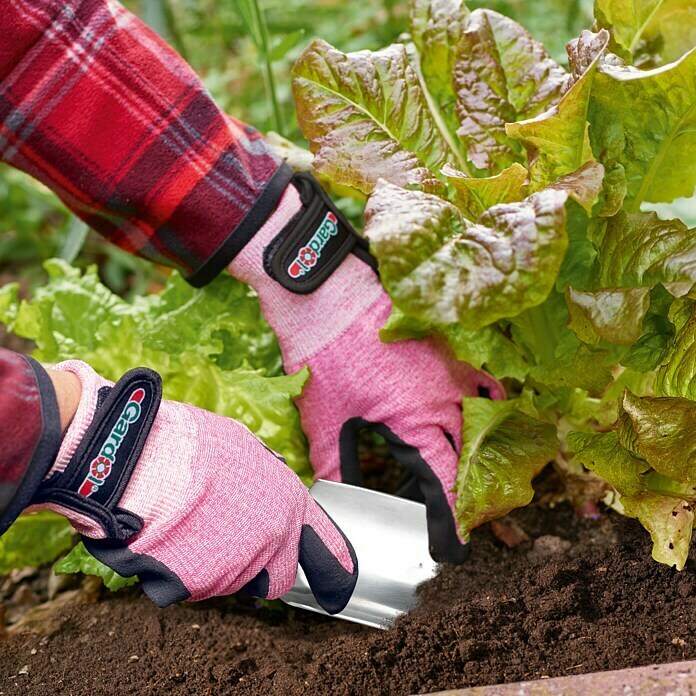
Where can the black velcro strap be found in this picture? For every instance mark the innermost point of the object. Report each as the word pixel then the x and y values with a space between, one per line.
pixel 98 473
pixel 315 241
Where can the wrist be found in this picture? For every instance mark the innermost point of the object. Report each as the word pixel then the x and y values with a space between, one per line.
pixel 68 391
pixel 305 322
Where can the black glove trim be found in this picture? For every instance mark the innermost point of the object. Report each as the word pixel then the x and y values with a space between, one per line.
pixel 241 235
pixel 162 585
pixel 98 473
pixel 14 500
pixel 444 542
pixel 314 243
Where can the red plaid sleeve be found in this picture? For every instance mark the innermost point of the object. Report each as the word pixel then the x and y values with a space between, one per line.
pixel 29 432
pixel 100 109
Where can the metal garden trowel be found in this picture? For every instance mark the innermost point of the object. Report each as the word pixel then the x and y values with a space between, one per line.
pixel 390 538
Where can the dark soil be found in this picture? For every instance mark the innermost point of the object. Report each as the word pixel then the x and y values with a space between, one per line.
pixel 542 608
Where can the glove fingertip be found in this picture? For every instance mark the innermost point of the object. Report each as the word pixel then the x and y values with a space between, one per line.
pixel 331 583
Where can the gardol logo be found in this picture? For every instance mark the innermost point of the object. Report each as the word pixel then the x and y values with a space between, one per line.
pixel 308 256
pixel 100 467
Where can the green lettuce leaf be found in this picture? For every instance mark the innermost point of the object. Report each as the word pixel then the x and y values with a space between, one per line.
pixel 604 454
pixel 436 27
pixel 366 116
pixel 210 346
pixel 651 348
pixel 559 359
pixel 79 560
pixel 639 249
pixel 556 140
pixel 33 540
pixel 649 31
pixel 669 517
pixel 487 348
pixel 503 450
pixel 475 196
pixel 646 122
pixel 663 506
pixel 661 430
pixel 677 377
pixel 442 268
pixel 501 75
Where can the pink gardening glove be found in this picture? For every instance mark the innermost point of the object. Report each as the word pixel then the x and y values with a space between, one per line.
pixel 191 502
pixel 321 294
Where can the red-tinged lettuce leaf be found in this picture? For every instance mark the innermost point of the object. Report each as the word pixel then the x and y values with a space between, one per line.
pixel 366 117
pixel 613 314
pixel 583 185
pixel 646 122
pixel 677 377
pixel 475 196
pixel 648 32
pixel 79 560
pixel 639 249
pixel 556 140
pixel 34 540
pixel 661 430
pixel 439 267
pixel 436 27
pixel 501 75
pixel 503 449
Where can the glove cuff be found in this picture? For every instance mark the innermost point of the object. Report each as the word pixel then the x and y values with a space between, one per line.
pixel 101 450
pixel 31 432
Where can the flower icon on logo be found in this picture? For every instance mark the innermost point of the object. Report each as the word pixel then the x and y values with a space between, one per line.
pixel 307 256
pixel 100 468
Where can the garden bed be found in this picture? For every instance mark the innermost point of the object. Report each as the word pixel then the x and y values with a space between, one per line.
pixel 544 607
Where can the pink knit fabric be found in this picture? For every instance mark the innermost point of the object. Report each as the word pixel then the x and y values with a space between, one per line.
pixel 218 506
pixel 414 387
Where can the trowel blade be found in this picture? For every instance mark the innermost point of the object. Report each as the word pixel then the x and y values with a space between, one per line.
pixel 390 538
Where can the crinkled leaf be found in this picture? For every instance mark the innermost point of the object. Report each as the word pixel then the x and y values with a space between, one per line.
pixel 211 346
pixel 442 268
pixel 604 454
pixel 436 27
pixel 662 430
pixel 501 75
pixel 79 560
pixel 475 196
pixel 556 140
pixel 640 249
pixel 613 314
pixel 646 121
pixel 33 540
pixel 503 450
pixel 366 117
pixel 642 28
pixel 677 377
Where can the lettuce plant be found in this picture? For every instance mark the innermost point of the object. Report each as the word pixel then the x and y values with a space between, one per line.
pixel 508 208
